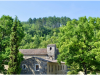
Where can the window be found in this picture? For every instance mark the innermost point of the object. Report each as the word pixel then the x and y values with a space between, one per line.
pixel 50 48
pixel 36 67
pixel 24 66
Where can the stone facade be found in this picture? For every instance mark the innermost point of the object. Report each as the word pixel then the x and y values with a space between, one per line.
pixel 30 66
pixel 42 61
pixel 52 51
pixel 39 56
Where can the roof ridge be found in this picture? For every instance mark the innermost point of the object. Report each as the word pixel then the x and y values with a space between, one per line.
pixel 38 48
pixel 33 51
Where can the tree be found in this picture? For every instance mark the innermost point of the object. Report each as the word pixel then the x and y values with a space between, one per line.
pixel 49 22
pixel 30 21
pixel 73 68
pixel 5 31
pixel 26 39
pixel 79 42
pixel 58 22
pixel 39 27
pixel 44 20
pixel 34 20
pixel 15 39
pixel 36 41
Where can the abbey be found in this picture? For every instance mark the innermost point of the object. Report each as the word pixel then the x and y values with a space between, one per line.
pixel 42 61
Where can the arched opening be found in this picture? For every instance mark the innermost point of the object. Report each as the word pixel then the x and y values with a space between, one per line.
pixel 50 48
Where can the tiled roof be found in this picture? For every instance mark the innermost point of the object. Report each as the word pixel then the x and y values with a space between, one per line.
pixel 48 60
pixel 33 51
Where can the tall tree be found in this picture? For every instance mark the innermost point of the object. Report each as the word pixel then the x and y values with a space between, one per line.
pixel 5 31
pixel 58 22
pixel 79 42
pixel 34 20
pixel 44 20
pixel 5 28
pixel 15 39
pixel 30 20
pixel 39 26
pixel 49 22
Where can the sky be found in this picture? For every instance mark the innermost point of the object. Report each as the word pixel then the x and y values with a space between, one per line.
pixel 36 9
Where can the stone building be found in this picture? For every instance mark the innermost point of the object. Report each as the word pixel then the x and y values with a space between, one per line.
pixel 42 61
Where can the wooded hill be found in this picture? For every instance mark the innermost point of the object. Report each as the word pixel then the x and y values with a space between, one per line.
pixel 39 32
pixel 78 41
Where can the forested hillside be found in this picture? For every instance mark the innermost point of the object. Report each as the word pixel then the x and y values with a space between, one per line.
pixel 34 33
pixel 78 41
pixel 39 32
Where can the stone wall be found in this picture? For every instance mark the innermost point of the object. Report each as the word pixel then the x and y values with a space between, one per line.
pixel 51 52
pixel 41 56
pixel 30 66
pixel 56 53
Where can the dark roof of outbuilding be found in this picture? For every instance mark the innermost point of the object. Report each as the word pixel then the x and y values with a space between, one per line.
pixel 34 51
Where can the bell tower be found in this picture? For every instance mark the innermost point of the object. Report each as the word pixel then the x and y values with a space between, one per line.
pixel 51 51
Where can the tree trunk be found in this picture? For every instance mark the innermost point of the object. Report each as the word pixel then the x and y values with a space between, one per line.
pixel 85 70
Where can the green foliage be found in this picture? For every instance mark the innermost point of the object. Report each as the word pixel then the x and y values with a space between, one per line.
pixel 30 21
pixel 26 39
pixel 49 22
pixel 73 68
pixel 1 64
pixel 5 29
pixel 37 35
pixel 15 57
pixel 6 24
pixel 79 43
pixel 78 40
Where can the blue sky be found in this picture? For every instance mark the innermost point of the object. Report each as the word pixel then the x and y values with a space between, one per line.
pixel 35 9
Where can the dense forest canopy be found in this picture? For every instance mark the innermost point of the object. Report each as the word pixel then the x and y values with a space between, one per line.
pixel 79 39
pixel 42 31
pixel 34 33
